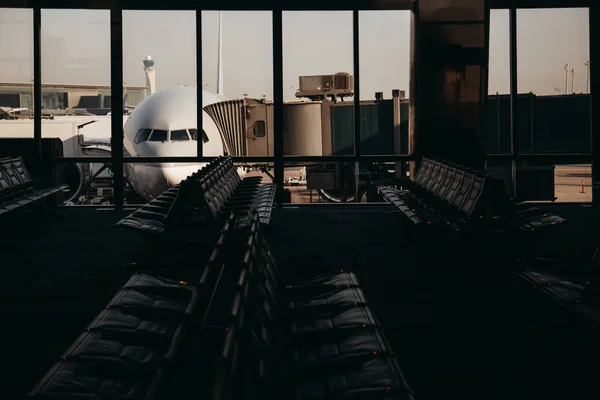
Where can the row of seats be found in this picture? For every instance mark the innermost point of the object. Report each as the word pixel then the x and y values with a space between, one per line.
pixel 130 349
pixel 316 339
pixel 239 333
pixel 449 195
pixel 443 194
pixel 225 192
pixel 572 297
pixel 19 192
pixel 214 191
pixel 158 215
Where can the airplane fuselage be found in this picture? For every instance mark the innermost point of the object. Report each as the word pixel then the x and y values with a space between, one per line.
pixel 164 125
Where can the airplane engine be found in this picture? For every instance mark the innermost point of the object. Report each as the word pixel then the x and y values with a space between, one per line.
pixel 78 176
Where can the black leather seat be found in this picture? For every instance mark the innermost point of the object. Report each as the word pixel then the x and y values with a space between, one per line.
pixel 81 380
pixel 120 354
pixel 17 189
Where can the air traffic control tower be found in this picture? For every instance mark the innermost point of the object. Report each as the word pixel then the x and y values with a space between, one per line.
pixel 150 76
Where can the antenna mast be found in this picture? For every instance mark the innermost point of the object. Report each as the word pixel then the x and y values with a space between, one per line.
pixel 587 64
pixel 220 57
pixel 566 78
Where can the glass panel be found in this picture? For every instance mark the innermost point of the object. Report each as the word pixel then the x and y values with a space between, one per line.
pixel 142 135
pixel 179 135
pixel 158 136
pixel 548 39
pixel 237 54
pixel 498 104
pixel 76 95
pixel 16 72
pixel 331 183
pixel 384 80
pixel 542 182
pixel 159 79
pixel 320 182
pixel 553 50
pixel 194 135
pixel 317 83
pixel 573 183
pixel 499 62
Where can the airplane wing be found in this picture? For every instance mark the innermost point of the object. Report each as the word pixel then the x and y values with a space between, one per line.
pixel 9 112
pixel 98 147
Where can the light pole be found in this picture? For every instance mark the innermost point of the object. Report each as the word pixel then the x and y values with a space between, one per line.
pixel 573 80
pixel 587 64
pixel 32 97
pixel 566 78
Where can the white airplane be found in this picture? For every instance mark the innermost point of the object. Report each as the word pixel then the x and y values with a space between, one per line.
pixel 164 125
pixel 9 112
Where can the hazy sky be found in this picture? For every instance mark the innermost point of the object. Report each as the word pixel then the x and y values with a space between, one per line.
pixel 76 48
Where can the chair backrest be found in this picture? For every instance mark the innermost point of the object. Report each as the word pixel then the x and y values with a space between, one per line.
pixel 445 185
pixel 432 176
pixel 463 190
pixel 211 201
pixel 10 172
pixel 421 171
pixel 20 169
pixel 437 182
pixel 454 186
pixel 5 182
pixel 426 168
pixel 473 196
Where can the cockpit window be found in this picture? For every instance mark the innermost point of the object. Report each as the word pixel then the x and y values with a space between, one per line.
pixel 158 136
pixel 142 135
pixel 194 135
pixel 179 135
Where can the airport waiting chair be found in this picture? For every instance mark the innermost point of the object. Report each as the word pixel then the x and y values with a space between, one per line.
pixel 18 191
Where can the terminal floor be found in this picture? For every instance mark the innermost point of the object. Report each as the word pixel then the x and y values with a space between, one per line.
pixel 476 335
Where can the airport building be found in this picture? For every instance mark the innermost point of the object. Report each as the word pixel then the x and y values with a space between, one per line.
pixel 435 262
pixel 59 98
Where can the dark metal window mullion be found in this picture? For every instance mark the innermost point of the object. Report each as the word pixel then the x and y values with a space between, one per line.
pixel 37 81
pixel 199 86
pixel 514 146
pixel 116 86
pixel 357 116
pixel 277 20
